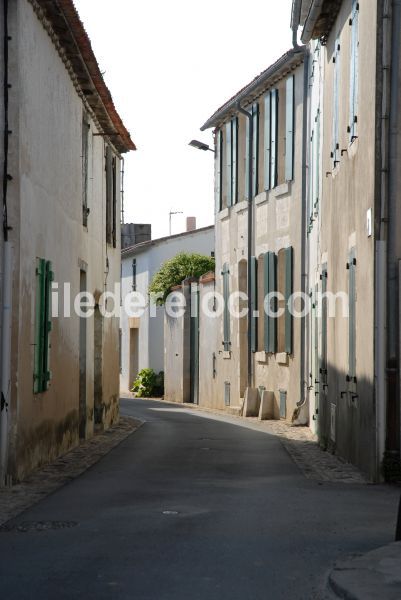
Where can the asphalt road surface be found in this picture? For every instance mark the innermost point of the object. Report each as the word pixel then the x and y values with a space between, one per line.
pixel 191 506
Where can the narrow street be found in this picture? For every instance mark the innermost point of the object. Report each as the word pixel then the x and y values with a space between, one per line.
pixel 192 506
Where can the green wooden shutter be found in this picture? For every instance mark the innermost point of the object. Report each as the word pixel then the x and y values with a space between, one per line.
pixel 354 70
pixel 254 303
pixel 270 286
pixel 336 104
pixel 289 136
pixel 323 361
pixel 39 324
pixel 48 326
pixel 274 139
pixel 109 195
pixel 317 161
pixel 229 166
pixel 219 171
pixel 352 314
pixel 235 160
pixel 288 293
pixel 226 314
pixel 247 157
pixel 267 141
pixel 43 325
pixel 255 149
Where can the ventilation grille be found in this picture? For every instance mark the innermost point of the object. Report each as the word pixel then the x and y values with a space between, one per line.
pixel 283 404
pixel 227 393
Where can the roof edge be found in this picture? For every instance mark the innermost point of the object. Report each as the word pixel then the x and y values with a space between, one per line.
pixel 292 58
pixel 149 243
pixel 61 20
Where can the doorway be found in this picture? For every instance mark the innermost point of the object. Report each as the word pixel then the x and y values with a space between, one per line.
pixel 133 356
pixel 194 344
pixel 82 361
pixel 98 366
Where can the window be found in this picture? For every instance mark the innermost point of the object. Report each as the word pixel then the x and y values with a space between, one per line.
pixel 255 152
pixel 232 161
pixel 354 71
pixel 226 315
pixel 335 154
pixel 134 275
pixel 85 156
pixel 44 278
pixel 111 197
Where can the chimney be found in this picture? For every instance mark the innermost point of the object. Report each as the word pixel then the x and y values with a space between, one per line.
pixel 134 233
pixel 191 223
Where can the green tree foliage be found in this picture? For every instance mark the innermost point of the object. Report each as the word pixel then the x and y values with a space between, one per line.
pixel 174 271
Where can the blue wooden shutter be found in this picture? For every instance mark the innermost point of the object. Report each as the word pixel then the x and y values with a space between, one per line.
pixel 288 293
pixel 267 141
pixel 274 139
pixel 255 149
pixel 219 171
pixel 229 167
pixel 289 136
pixel 336 100
pixel 270 287
pixel 235 160
pixel 254 304
pixel 354 69
pixel 226 314
pixel 352 314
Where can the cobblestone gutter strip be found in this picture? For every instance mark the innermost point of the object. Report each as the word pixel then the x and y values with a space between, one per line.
pixel 44 481
pixel 301 444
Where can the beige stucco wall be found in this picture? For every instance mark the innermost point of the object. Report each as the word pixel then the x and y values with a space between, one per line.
pixel 46 148
pixel 277 218
pixel 348 193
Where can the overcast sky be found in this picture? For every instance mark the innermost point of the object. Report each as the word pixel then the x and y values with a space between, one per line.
pixel 169 66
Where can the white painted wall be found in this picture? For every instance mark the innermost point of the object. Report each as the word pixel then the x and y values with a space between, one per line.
pixel 45 197
pixel 149 258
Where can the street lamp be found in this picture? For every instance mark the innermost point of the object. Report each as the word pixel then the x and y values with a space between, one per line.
pixel 200 146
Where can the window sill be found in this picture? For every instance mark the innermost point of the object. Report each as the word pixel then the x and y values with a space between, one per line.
pixel 261 357
pixel 281 190
pixel 227 355
pixel 241 206
pixel 282 358
pixel 224 214
pixel 353 148
pixel 262 198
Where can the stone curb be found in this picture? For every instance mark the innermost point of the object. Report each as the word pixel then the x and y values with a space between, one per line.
pixel 45 481
pixel 372 576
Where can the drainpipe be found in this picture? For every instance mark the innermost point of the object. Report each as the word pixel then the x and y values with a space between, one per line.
pixel 6 277
pixel 381 251
pixel 251 300
pixel 393 236
pixel 303 406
